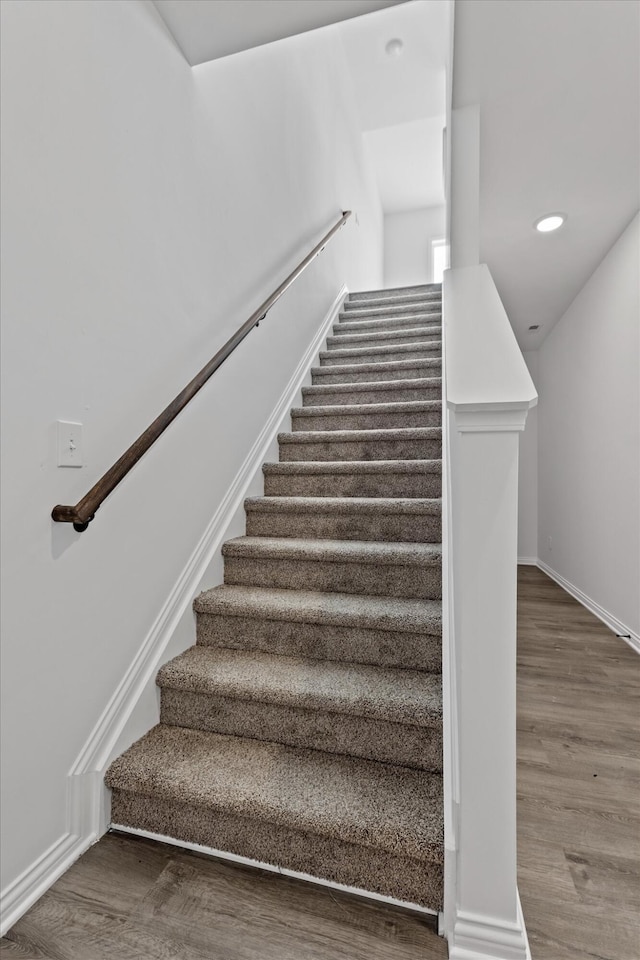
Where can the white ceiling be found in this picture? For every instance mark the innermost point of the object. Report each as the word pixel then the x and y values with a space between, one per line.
pixel 401 100
pixel 210 29
pixel 559 91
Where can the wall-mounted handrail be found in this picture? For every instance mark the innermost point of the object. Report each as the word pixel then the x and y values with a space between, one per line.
pixel 84 511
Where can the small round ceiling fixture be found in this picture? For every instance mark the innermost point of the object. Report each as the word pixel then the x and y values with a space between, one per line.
pixel 550 221
pixel 394 47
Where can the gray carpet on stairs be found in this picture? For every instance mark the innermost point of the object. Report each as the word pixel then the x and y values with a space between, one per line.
pixel 304 728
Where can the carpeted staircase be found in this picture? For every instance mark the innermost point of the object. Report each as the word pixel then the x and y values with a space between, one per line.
pixel 304 729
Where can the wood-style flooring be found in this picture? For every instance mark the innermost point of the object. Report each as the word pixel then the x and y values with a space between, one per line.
pixel 578 779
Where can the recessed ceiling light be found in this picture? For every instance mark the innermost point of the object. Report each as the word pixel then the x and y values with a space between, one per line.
pixel 550 221
pixel 394 47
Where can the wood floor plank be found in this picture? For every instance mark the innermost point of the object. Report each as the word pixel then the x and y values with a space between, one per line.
pixel 578 779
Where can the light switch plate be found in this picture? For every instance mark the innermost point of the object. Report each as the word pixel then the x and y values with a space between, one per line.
pixel 69 444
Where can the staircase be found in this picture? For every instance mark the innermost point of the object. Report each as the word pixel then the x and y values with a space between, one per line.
pixel 304 729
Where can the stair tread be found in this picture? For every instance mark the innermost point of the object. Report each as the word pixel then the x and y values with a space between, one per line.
pixel 364 409
pixel 354 436
pixel 419 289
pixel 396 809
pixel 335 551
pixel 296 467
pixel 390 311
pixel 428 346
pixel 374 336
pixel 313 606
pixel 400 506
pixel 344 368
pixel 322 389
pixel 380 693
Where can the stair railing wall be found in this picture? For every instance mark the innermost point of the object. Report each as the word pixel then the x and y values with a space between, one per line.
pixel 82 513
pixel 488 392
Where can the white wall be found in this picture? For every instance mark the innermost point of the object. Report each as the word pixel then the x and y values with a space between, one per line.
pixel 148 209
pixel 528 475
pixel 589 437
pixel 407 245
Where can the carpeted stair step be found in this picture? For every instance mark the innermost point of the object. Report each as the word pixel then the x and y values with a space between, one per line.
pixel 364 567
pixel 415 292
pixel 378 713
pixel 432 308
pixel 375 372
pixel 383 631
pixel 360 478
pixel 415 443
pixel 383 391
pixel 397 306
pixel 357 822
pixel 363 354
pixel 373 338
pixel 372 416
pixel 387 519
pixel 395 324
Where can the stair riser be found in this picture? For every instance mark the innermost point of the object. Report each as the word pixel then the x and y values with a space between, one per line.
pixel 413 528
pixel 327 375
pixel 352 341
pixel 430 307
pixel 362 450
pixel 404 878
pixel 353 485
pixel 321 398
pixel 397 294
pixel 330 576
pixel 414 302
pixel 368 421
pixel 395 743
pixel 362 328
pixel 320 641
pixel 336 358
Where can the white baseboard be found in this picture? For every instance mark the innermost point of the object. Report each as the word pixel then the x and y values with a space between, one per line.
pixel 619 628
pixel 479 937
pixel 528 561
pixel 283 871
pixel 88 797
pixel 23 892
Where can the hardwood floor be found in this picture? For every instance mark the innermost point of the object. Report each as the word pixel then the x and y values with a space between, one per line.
pixel 578 778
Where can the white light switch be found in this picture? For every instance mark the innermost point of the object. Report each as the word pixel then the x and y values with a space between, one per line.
pixel 69 444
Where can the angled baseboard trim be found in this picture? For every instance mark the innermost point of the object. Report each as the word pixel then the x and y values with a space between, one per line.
pixel 619 628
pixel 23 892
pixel 528 561
pixel 88 797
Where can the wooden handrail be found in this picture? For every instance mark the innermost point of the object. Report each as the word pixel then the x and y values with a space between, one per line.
pixel 84 511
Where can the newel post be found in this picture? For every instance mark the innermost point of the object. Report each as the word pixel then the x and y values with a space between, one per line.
pixel 489 393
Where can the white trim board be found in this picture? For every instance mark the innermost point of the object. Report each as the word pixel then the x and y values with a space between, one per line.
pixel 30 885
pixel 87 796
pixel 480 937
pixel 615 625
pixel 272 868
